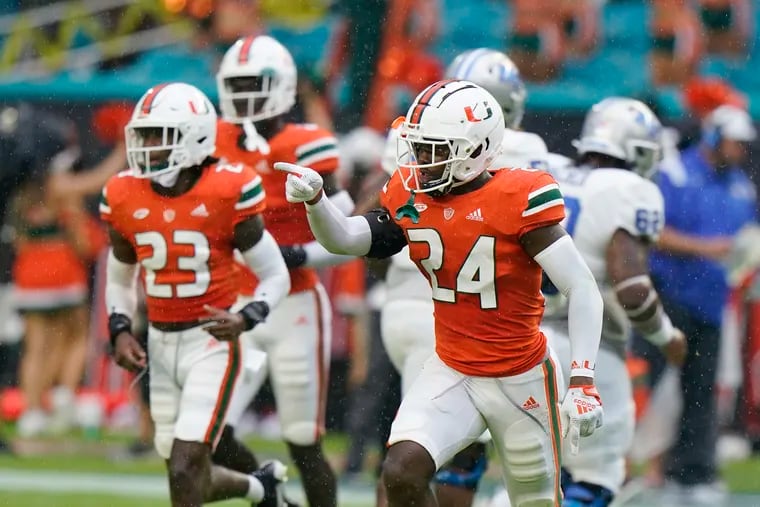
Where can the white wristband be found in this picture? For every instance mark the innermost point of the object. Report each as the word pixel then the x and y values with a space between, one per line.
pixel 585 370
pixel 664 334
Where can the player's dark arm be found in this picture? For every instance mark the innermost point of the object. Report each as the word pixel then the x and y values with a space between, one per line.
pixel 121 247
pixel 262 256
pixel 628 270
pixel 553 249
pixel 121 301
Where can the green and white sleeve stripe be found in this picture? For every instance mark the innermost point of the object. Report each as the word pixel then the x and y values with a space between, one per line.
pixel 543 198
pixel 104 207
pixel 251 194
pixel 317 151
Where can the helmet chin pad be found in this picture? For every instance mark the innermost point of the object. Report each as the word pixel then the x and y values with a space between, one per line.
pixel 167 179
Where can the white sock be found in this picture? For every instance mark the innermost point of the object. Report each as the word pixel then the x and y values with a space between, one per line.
pixel 255 489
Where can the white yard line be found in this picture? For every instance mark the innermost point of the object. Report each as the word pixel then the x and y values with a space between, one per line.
pixel 154 486
pixel 146 486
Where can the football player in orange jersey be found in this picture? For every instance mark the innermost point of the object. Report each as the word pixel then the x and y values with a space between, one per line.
pixel 176 217
pixel 257 87
pixel 482 240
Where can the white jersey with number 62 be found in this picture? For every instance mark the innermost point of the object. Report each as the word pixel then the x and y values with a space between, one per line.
pixel 598 202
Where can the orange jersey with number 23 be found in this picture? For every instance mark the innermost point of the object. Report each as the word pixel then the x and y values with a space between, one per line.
pixel 486 289
pixel 185 244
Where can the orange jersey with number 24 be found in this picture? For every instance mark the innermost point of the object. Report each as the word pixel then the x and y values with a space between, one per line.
pixel 486 289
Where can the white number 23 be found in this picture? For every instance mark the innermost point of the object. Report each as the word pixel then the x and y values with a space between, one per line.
pixel 196 263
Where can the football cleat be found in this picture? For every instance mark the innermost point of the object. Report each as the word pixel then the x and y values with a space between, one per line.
pixel 272 475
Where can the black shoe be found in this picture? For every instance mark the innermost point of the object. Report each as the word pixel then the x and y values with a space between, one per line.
pixel 139 449
pixel 5 448
pixel 272 475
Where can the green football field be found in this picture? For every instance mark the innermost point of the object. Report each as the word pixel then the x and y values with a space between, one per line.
pixel 75 473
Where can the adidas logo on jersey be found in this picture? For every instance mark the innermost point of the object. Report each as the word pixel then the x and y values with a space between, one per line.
pixel 530 404
pixel 200 211
pixel 475 215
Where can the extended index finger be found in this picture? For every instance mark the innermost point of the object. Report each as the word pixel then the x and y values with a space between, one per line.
pixel 291 168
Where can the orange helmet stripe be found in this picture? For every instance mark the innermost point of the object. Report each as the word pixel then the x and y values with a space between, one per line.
pixel 148 102
pixel 423 102
pixel 245 48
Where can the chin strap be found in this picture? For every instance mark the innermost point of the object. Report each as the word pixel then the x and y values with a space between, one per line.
pixel 167 180
pixel 253 140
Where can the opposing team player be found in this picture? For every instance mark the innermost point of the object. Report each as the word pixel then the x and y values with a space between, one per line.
pixel 614 213
pixel 257 87
pixel 176 216
pixel 482 240
pixel 494 71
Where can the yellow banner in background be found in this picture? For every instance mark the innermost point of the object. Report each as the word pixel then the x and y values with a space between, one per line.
pixel 294 13
pixel 50 42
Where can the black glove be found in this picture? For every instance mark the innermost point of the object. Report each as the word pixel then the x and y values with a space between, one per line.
pixel 118 323
pixel 254 313
pixel 294 255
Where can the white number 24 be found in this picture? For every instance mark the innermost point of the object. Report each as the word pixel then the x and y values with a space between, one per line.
pixel 477 275
pixel 197 263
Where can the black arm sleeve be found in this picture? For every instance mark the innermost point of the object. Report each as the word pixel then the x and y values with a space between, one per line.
pixel 387 237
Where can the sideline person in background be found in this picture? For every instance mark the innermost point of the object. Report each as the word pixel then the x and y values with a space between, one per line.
pixel 55 240
pixel 708 199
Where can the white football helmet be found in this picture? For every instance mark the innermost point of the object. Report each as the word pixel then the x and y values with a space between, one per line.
pixel 494 71
pixel 625 129
pixel 256 80
pixel 451 134
pixel 183 119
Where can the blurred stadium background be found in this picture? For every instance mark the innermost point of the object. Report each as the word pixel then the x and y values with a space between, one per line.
pixel 76 59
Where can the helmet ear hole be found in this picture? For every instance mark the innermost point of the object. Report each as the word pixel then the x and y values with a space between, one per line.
pixel 477 151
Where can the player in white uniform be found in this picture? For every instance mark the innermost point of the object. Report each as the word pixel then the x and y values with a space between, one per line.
pixel 407 315
pixel 614 213
pixel 494 71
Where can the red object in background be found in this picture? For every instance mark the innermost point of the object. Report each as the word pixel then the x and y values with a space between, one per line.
pixel 638 371
pixel 422 69
pixel 751 408
pixel 703 94
pixel 109 120
pixel 11 404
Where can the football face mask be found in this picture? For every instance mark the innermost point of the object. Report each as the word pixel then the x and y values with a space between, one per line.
pixel 250 95
pixel 149 149
pixel 427 164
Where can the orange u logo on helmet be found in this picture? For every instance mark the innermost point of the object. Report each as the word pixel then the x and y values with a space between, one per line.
pixel 471 114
